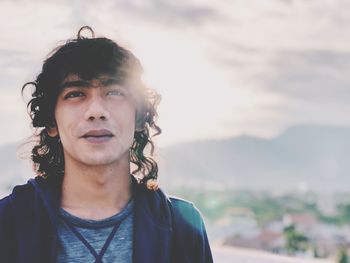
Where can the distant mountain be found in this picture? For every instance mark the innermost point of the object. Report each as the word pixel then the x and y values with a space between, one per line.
pixel 303 157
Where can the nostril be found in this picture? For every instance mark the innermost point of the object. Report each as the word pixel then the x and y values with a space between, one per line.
pixel 102 117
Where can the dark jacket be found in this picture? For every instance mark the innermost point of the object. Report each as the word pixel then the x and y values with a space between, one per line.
pixel 165 229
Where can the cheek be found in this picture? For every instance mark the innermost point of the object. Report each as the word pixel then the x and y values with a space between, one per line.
pixel 126 115
pixel 65 121
pixel 128 121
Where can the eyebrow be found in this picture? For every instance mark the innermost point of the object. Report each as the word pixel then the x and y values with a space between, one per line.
pixel 85 83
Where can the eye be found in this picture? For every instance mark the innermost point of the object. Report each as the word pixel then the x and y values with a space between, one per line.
pixel 74 94
pixel 116 93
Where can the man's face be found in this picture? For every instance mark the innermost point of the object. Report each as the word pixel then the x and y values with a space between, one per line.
pixel 95 121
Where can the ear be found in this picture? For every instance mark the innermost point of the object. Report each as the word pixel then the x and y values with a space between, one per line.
pixel 52 131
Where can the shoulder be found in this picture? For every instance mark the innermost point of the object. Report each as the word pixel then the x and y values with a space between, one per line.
pixel 20 193
pixel 5 207
pixel 7 230
pixel 23 191
pixel 183 214
pixel 6 220
pixel 184 207
pixel 187 215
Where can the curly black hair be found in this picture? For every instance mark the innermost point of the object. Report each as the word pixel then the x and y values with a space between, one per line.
pixel 90 58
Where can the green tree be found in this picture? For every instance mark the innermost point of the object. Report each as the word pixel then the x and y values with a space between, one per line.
pixel 295 241
pixel 344 216
pixel 342 256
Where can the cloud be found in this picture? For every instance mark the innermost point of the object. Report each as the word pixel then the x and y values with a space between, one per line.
pixel 14 65
pixel 174 13
pixel 268 63
pixel 310 75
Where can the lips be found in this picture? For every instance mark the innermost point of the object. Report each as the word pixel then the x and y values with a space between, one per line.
pixel 98 133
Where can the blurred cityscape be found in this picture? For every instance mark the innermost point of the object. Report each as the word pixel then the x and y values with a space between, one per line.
pixel 306 225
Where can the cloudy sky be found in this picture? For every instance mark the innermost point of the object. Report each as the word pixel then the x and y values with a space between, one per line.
pixel 223 67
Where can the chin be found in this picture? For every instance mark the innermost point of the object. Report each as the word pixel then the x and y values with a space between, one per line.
pixel 103 160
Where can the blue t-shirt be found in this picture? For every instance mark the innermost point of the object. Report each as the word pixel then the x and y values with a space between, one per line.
pixel 95 233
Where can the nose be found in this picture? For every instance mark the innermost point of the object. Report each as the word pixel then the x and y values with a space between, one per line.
pixel 96 109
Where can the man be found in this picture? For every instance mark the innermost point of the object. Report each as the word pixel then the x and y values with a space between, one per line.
pixel 94 119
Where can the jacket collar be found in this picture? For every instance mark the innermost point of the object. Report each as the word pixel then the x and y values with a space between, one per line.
pixel 152 219
pixel 152 226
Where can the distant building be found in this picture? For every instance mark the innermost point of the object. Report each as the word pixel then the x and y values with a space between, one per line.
pixel 303 222
pixel 264 240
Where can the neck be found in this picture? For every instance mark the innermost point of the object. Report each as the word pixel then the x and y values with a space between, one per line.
pixel 96 192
